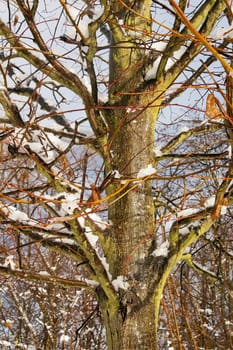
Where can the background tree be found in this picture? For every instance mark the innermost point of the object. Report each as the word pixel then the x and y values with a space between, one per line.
pixel 104 164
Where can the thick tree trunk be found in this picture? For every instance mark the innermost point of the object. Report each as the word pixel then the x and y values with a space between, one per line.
pixel 131 121
pixel 137 331
pixel 132 216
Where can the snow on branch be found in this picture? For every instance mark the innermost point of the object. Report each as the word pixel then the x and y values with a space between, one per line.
pixel 162 250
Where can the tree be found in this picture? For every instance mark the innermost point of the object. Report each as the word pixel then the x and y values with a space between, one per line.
pixel 91 153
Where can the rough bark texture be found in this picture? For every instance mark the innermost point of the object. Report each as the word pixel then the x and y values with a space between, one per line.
pixel 133 222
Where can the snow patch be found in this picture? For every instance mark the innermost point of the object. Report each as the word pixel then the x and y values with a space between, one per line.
pixel 209 202
pixel 158 152
pixel 151 73
pixel 64 338
pixel 162 250
pixel 9 262
pixel 120 283
pixel 149 170
pixel 116 174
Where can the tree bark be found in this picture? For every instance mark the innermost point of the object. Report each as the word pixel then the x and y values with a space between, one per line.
pixel 132 217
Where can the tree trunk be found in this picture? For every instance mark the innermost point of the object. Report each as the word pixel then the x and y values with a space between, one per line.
pixel 132 216
pixel 131 121
pixel 132 331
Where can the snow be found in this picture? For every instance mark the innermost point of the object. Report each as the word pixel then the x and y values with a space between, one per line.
pixel 43 273
pixel 91 283
pixel 223 210
pixel 162 250
pixel 186 229
pixel 120 283
pixel 176 56
pixel 228 323
pixel 151 73
pixel 149 170
pixel 64 338
pixel 38 148
pixel 187 212
pixel 133 109
pixel 159 45
pixel 184 129
pixel 91 238
pixel 16 215
pixel 70 202
pixel 57 142
pixel 9 262
pixel 209 202
pixel 116 174
pixel 67 241
pixel 157 151
pixel 103 225
pixel 229 151
pixel 44 145
pixel 95 218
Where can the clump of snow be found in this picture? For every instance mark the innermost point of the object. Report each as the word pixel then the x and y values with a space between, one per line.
pixel 64 338
pixel 70 202
pixel 16 215
pixel 230 152
pixel 209 202
pixel 186 229
pixel 103 225
pixel 91 283
pixel 149 170
pixel 116 174
pixel 120 283
pixel 176 56
pixel 162 250
pixel 93 240
pixel 159 45
pixel 157 151
pixel 151 73
pixel 187 212
pixel 223 209
pixel 44 273
pixel 9 262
